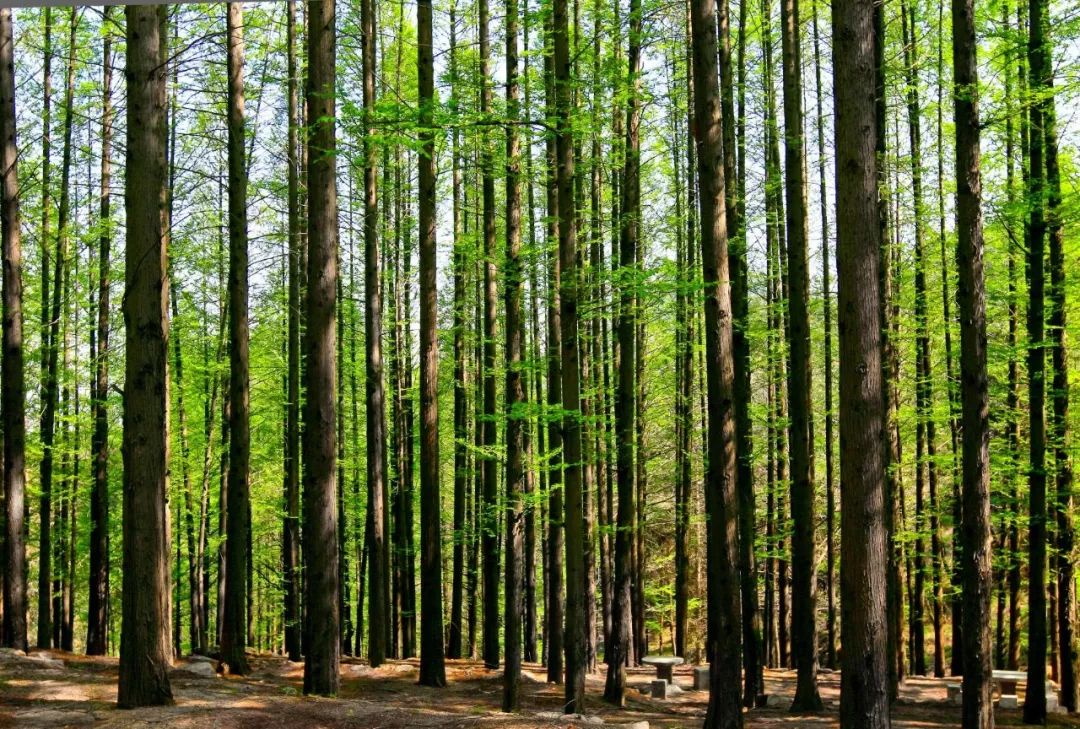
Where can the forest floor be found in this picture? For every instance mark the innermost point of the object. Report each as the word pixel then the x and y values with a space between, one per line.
pixel 56 689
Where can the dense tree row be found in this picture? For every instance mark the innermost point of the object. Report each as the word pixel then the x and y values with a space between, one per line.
pixel 624 297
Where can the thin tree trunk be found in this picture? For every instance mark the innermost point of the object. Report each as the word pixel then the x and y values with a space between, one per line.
pixel 826 297
pixel 490 513
pixel 233 637
pixel 556 533
pixel 753 679
pixel 803 580
pixel 461 475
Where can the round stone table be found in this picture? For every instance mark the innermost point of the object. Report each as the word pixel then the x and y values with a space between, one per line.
pixel 664 665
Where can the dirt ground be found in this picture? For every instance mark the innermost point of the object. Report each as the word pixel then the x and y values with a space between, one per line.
pixel 55 689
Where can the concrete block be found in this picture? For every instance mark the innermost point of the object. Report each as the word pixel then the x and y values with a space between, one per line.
pixel 660 689
pixel 701 679
pixel 1008 701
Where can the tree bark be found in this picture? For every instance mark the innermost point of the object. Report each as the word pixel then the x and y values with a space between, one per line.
pixel 573 509
pixel 803 565
pixel 233 637
pixel 978 710
pixel 556 531
pixel 864 693
pixel 322 642
pixel 12 385
pixel 145 653
pixel 1035 705
pixel 619 650
pixel 724 619
pixel 490 520
pixel 432 671
pixel 826 298
pixel 515 392
pixel 461 426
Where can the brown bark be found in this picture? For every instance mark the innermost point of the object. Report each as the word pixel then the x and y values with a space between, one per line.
pixel 145 653
pixel 490 513
pixel 618 651
pixel 573 508
pixel 725 710
pixel 233 637
pixel 322 642
pixel 375 421
pixel 978 710
pixel 1035 705
pixel 432 670
pixel 12 386
pixel 461 455
pixel 291 523
pixel 515 392
pixel 864 695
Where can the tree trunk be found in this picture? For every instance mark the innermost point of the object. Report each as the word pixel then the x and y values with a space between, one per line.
pixel 571 393
pixel 322 643
pixel 978 710
pixel 864 689
pixel 1066 586
pixel 233 637
pixel 619 650
pixel 432 671
pixel 826 298
pixel 803 565
pixel 490 519
pixel 1035 705
pixel 556 532
pixel 515 393
pixel 145 653
pixel 724 619
pixel 753 679
pixel 12 386
pixel 461 427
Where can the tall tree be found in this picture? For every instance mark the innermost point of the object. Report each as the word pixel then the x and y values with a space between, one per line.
pixel 1035 705
pixel 291 527
pixel 321 634
pixel 724 618
pixel 826 299
pixel 490 514
pixel 12 386
pixel 1063 474
pixel 515 391
pixel 573 509
pixel 864 694
pixel 619 649
pixel 48 414
pixel 556 532
pixel 461 416
pixel 753 678
pixel 145 652
pixel 432 670
pixel 803 566
pixel 978 704
pixel 375 421
pixel 234 629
